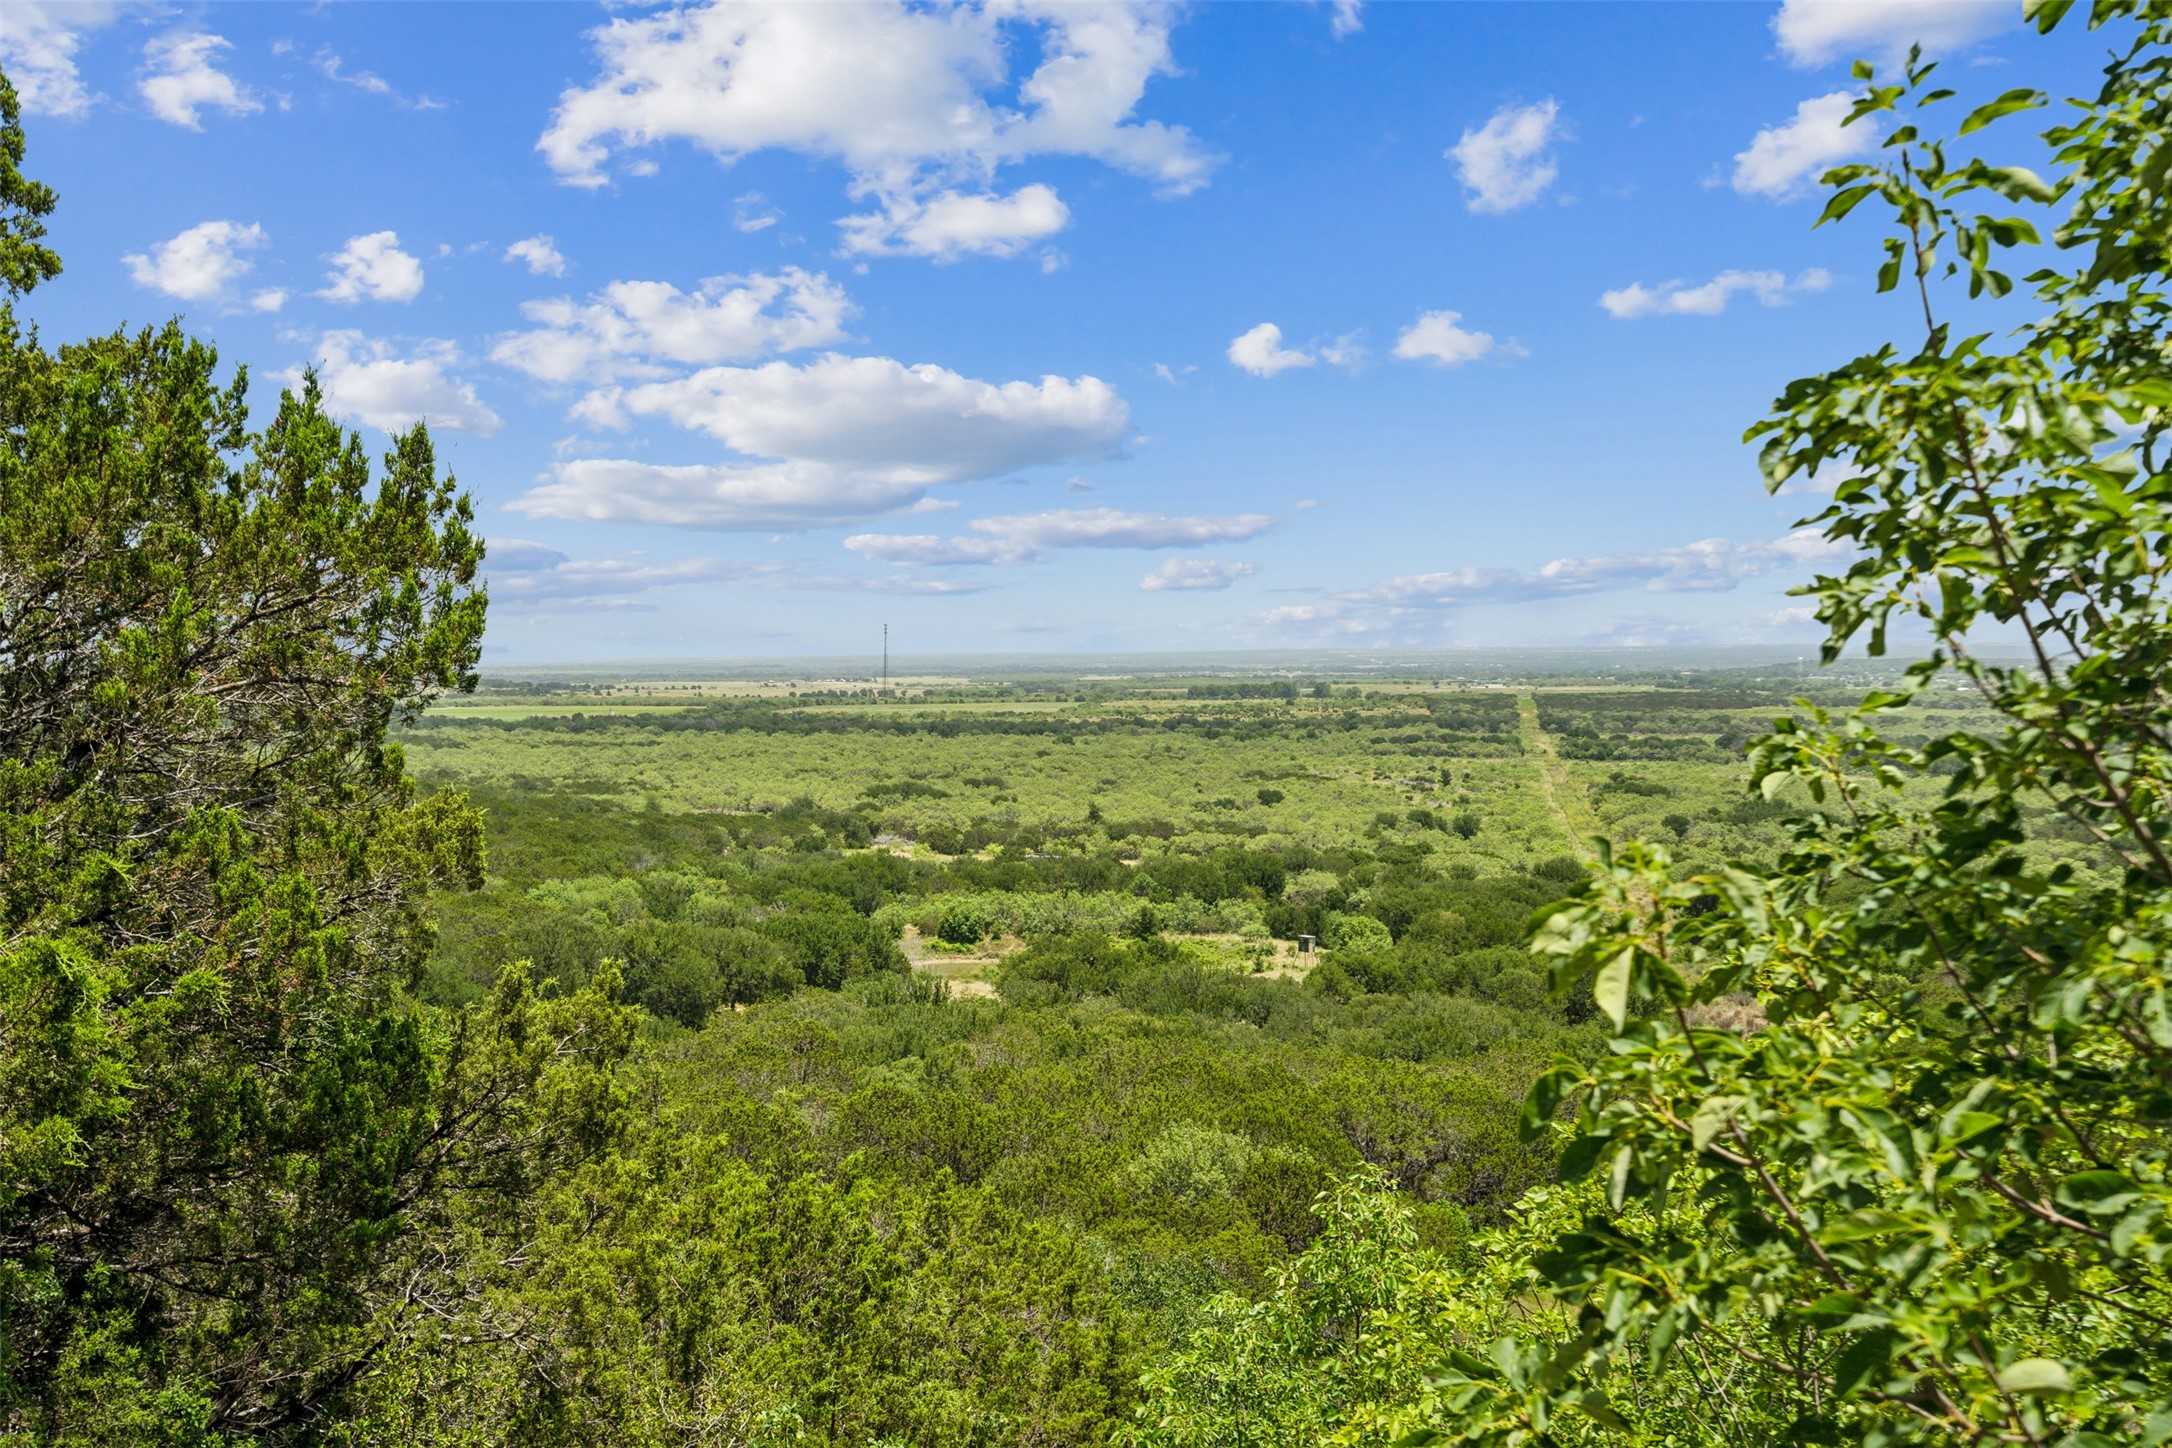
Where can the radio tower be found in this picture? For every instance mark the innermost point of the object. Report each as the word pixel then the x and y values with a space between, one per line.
pixel 886 658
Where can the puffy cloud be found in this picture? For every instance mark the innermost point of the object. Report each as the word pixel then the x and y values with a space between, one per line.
pixel 1436 337
pixel 921 425
pixel 373 266
pixel 836 438
pixel 952 224
pixel 180 78
pixel 915 102
pixel 1261 353
pixel 1508 162
pixel 629 329
pixel 1771 289
pixel 540 254
pixel 1782 159
pixel 270 299
pixel 202 262
pixel 880 86
pixel 368 380
pixel 1018 538
pixel 38 42
pixel 1814 32
pixel 1348 18
pixel 1195 574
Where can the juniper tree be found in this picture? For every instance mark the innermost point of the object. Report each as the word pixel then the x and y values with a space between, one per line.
pixel 237 1158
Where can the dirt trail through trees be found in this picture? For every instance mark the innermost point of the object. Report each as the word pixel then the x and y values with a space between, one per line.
pixel 1564 798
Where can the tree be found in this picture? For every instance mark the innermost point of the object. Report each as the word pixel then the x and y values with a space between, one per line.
pixel 24 205
pixel 233 1149
pixel 1927 1199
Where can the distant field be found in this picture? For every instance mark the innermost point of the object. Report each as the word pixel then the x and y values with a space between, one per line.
pixel 1485 776
pixel 1170 784
pixel 540 709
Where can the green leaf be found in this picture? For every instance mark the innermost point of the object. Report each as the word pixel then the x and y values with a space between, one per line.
pixel 2035 1375
pixel 1544 1099
pixel 2018 183
pixel 1966 1126
pixel 1713 1114
pixel 2098 1193
pixel 1610 989
pixel 1842 203
pixel 2021 99
pixel 1595 1406
pixel 2044 14
pixel 1865 1361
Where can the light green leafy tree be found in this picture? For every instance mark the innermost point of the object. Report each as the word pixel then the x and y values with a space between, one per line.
pixel 1920 1192
pixel 1927 1198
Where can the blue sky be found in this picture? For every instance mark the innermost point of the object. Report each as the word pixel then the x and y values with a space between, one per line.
pixel 1024 326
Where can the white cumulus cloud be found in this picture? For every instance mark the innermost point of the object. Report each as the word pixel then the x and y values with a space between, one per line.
pixel 951 224
pixel 370 381
pixel 921 105
pixel 1509 162
pixel 201 263
pixel 1438 337
pixel 181 77
pixel 833 439
pixel 1261 353
pixel 632 329
pixel 1781 161
pixel 1709 299
pixel 539 254
pixel 373 267
pixel 1815 32
pixel 38 44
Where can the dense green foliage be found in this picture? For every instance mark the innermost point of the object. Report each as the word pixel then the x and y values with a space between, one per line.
pixel 232 1147
pixel 838 1065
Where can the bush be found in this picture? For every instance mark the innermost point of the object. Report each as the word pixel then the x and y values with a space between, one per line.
pixel 963 922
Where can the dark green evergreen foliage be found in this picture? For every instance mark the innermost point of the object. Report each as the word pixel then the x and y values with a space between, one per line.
pixel 24 205
pixel 230 1142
